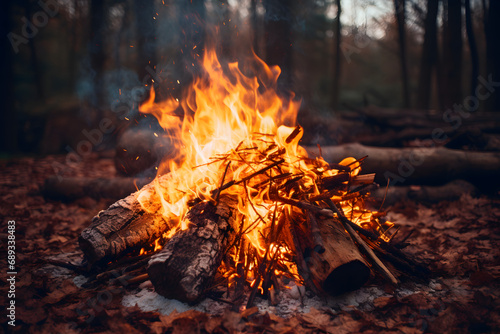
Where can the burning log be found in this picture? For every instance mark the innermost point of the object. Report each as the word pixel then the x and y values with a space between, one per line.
pixel 124 226
pixel 247 199
pixel 188 262
pixel 341 267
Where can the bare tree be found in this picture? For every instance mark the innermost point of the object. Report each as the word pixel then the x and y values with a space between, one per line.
pixel 472 48
pixel 35 65
pixel 96 45
pixel 278 37
pixel 8 116
pixel 429 57
pixel 146 36
pixel 492 31
pixel 255 25
pixel 400 13
pixel 338 57
pixel 452 52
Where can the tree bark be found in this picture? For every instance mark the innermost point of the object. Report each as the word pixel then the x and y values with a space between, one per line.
pixel 124 226
pixel 451 191
pixel 8 118
pixel 146 38
pixel 96 48
pixel 37 72
pixel 452 52
pixel 435 165
pixel 429 56
pixel 400 12
pixel 255 26
pixel 184 268
pixel 341 267
pixel 474 58
pixel 338 57
pixel 278 37
pixel 492 31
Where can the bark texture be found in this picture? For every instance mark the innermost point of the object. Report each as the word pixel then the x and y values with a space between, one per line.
pixel 124 226
pixel 341 267
pixel 419 165
pixel 184 268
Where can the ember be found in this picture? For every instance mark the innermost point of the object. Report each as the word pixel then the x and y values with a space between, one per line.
pixel 244 205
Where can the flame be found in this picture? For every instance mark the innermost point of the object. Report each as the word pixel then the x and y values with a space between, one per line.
pixel 232 126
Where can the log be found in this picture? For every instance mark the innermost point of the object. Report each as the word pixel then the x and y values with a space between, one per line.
pixel 451 191
pixel 124 226
pixel 72 188
pixel 341 267
pixel 431 166
pixel 184 268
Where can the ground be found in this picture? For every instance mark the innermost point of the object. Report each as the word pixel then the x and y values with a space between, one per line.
pixel 458 241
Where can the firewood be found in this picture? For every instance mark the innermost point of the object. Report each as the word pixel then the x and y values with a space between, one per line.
pixel 451 191
pixel 72 188
pixel 124 226
pixel 341 267
pixel 418 165
pixel 184 268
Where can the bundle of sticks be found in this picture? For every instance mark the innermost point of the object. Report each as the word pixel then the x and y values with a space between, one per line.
pixel 274 214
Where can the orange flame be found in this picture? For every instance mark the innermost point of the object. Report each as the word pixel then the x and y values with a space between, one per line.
pixel 229 125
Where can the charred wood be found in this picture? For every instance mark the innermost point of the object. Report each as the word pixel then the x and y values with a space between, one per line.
pixel 184 268
pixel 124 226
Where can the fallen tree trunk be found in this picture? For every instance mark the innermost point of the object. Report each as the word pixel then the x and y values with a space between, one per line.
pixel 72 188
pixel 187 264
pixel 436 165
pixel 451 191
pixel 341 267
pixel 124 226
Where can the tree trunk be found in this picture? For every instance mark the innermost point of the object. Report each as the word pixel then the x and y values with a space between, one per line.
pixel 255 26
pixel 338 57
pixel 184 268
pixel 452 51
pixel 472 48
pixel 278 37
pixel 146 38
pixel 37 72
pixel 492 31
pixel 96 45
pixel 400 11
pixel 429 56
pixel 8 118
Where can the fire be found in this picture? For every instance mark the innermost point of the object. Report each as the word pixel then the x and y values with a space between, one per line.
pixel 236 136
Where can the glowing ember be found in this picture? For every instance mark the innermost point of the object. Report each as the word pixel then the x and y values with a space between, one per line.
pixel 236 136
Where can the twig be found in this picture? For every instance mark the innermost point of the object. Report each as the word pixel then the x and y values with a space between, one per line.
pixel 68 265
pixel 139 279
pixel 221 183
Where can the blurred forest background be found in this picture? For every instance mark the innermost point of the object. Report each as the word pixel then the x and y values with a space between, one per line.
pixel 67 64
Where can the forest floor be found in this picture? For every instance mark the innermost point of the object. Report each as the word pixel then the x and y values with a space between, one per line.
pixel 457 240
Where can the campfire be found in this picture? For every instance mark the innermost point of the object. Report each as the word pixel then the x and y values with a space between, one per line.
pixel 243 207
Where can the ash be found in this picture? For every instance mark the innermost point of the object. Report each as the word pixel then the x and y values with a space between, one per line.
pixel 293 300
